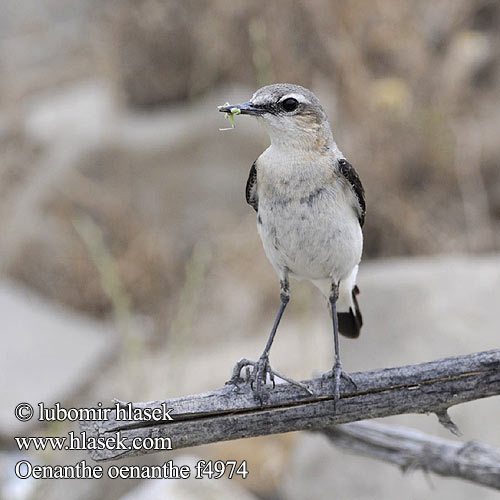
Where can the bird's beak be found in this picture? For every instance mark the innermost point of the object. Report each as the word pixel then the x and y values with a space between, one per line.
pixel 247 108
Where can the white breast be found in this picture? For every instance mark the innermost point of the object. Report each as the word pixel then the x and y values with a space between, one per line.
pixel 306 219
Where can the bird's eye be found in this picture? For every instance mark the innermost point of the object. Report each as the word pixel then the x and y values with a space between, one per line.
pixel 290 104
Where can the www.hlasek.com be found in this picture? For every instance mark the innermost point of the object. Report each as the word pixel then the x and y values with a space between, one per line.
pixel 116 441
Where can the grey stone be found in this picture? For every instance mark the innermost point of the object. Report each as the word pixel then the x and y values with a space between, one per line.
pixel 48 353
pixel 189 489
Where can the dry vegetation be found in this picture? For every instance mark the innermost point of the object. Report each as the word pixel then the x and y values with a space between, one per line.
pixel 412 90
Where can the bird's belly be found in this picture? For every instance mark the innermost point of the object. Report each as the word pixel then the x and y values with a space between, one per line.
pixel 310 240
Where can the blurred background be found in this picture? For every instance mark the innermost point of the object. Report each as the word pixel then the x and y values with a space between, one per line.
pixel 130 263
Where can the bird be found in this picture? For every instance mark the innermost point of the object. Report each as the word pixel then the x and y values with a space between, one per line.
pixel 310 209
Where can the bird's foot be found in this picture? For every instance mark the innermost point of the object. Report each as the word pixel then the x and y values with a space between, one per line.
pixel 257 374
pixel 336 373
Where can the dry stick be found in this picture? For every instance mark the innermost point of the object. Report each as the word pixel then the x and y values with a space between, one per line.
pixel 412 450
pixel 232 412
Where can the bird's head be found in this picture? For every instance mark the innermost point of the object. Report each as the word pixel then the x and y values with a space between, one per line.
pixel 291 114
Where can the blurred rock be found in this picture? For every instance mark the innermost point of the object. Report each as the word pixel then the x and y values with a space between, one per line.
pixel 82 114
pixel 447 302
pixel 48 354
pixel 191 488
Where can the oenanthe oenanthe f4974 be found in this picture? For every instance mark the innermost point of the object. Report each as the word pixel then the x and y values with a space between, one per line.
pixel 310 208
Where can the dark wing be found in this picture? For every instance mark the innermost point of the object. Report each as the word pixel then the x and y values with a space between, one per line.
pixel 352 177
pixel 251 189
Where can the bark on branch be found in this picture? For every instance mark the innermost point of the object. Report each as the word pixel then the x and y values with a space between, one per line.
pixel 411 450
pixel 232 411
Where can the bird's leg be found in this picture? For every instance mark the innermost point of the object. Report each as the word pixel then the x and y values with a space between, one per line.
pixel 337 373
pixel 261 369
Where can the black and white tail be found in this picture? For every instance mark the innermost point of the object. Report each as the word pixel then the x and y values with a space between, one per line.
pixel 350 322
pixel 348 312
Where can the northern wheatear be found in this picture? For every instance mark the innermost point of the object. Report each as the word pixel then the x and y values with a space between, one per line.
pixel 310 208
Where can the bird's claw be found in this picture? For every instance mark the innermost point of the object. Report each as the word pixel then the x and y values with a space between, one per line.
pixel 257 374
pixel 336 373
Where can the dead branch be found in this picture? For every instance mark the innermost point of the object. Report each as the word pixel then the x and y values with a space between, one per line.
pixel 232 411
pixel 411 450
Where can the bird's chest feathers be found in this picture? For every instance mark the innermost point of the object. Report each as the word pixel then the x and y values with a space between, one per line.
pixel 295 196
pixel 288 179
pixel 304 217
